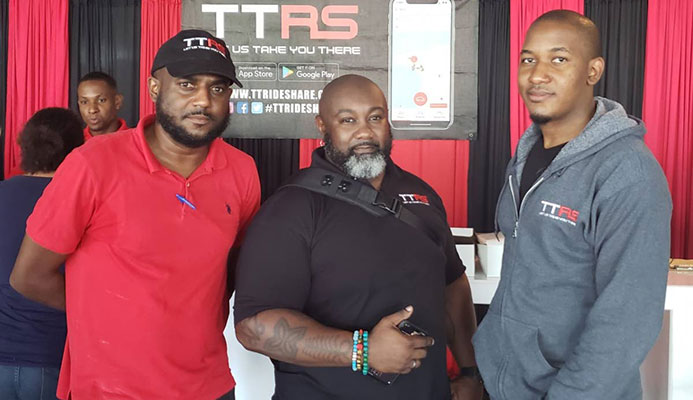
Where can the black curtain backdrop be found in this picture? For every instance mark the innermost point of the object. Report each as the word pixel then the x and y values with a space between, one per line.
pixel 276 160
pixel 490 153
pixel 623 26
pixel 3 79
pixel 105 36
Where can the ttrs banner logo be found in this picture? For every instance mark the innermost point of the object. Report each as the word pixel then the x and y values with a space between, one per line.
pixel 292 15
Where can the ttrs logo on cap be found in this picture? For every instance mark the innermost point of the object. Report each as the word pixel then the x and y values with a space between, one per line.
pixel 290 17
pixel 204 43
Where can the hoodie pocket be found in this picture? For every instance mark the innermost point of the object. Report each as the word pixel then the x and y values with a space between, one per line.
pixel 527 374
pixel 510 360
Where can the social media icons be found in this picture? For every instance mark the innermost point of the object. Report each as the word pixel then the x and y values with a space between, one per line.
pixel 242 107
pixel 257 107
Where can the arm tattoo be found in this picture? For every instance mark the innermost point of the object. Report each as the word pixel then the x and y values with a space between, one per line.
pixel 251 330
pixel 285 340
pixel 327 348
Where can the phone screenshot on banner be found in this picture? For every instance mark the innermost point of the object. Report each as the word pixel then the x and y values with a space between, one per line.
pixel 421 64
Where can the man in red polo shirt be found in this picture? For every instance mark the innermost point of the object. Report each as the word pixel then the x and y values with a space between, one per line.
pixel 144 219
pixel 99 101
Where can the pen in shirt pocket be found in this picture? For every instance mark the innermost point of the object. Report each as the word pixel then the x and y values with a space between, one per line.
pixel 185 201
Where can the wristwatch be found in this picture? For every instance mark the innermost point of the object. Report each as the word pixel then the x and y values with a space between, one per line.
pixel 470 372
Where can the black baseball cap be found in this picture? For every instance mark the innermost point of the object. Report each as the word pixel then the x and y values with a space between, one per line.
pixel 194 51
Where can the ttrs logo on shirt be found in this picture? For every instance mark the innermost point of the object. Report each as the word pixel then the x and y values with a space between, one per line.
pixel 559 212
pixel 414 199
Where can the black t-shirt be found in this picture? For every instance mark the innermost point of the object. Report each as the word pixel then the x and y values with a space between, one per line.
pixel 31 334
pixel 538 160
pixel 347 269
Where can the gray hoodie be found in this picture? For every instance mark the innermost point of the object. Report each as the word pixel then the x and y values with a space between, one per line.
pixel 585 264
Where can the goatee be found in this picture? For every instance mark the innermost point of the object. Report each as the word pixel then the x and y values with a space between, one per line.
pixel 359 166
pixel 539 119
pixel 180 135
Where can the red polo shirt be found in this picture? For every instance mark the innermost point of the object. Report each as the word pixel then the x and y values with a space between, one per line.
pixel 121 127
pixel 145 281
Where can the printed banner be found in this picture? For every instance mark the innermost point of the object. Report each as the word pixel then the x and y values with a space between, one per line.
pixel 422 54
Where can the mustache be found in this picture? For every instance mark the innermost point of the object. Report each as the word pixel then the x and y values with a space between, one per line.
pixel 199 112
pixel 367 143
pixel 539 88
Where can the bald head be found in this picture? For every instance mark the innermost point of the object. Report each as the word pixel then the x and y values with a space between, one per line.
pixel 581 24
pixel 346 85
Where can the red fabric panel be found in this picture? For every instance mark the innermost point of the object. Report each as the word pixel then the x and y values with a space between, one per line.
pixel 522 14
pixel 161 19
pixel 443 164
pixel 668 109
pixel 37 66
pixel 306 147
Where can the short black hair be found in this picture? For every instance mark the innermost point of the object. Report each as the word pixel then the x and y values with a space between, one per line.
pixel 584 25
pixel 48 137
pixel 99 76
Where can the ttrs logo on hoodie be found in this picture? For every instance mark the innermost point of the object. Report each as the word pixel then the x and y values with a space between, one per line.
pixel 559 212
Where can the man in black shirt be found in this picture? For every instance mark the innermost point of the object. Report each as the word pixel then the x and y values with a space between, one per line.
pixel 314 270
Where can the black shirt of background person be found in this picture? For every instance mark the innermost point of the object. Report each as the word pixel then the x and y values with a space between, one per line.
pixel 31 334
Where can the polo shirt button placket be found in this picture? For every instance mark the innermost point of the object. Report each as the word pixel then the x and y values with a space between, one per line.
pixel 187 191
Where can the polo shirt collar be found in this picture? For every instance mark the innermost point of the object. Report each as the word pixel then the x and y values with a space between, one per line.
pixel 215 157
pixel 121 127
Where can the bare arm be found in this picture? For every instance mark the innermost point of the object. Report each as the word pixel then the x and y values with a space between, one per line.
pixel 461 321
pixel 36 274
pixel 461 325
pixel 293 337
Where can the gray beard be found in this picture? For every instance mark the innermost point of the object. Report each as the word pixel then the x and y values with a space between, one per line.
pixel 365 166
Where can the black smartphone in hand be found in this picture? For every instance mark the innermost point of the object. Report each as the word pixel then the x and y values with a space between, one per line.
pixel 407 328
pixel 411 329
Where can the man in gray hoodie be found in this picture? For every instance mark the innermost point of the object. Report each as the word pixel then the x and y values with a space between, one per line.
pixel 585 211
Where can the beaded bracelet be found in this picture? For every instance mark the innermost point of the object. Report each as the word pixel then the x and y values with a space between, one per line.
pixel 354 352
pixel 365 353
pixel 359 351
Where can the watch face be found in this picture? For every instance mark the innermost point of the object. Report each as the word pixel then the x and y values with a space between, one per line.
pixel 472 372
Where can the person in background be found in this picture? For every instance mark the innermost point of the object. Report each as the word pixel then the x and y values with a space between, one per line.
pixel 99 101
pixel 586 216
pixel 32 336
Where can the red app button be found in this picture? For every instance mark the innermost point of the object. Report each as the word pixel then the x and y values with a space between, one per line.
pixel 420 98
